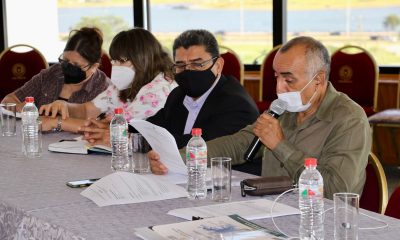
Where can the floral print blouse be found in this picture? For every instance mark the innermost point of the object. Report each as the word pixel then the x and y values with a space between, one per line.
pixel 150 98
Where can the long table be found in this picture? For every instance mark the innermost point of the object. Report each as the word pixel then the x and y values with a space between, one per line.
pixel 35 203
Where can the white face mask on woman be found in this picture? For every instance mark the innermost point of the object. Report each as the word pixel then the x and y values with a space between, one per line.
pixel 293 99
pixel 122 76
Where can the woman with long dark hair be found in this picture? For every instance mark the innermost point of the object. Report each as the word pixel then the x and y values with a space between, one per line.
pixel 141 80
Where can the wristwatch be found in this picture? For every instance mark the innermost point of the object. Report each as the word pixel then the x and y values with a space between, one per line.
pixel 58 128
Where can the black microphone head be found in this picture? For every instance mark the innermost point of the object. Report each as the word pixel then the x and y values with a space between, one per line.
pixel 278 106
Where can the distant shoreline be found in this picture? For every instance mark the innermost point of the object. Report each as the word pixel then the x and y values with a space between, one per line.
pixel 296 6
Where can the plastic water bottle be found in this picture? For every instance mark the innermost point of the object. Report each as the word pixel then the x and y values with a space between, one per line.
pixel 120 160
pixel 311 203
pixel 196 162
pixel 31 129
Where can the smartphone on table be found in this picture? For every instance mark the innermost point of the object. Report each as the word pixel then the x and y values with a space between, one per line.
pixel 81 183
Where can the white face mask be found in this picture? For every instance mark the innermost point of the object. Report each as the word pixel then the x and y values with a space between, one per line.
pixel 122 76
pixel 293 99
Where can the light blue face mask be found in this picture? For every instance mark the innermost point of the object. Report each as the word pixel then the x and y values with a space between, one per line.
pixel 293 99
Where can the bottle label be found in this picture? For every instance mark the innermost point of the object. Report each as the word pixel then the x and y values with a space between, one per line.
pixel 199 156
pixel 312 191
pixel 118 131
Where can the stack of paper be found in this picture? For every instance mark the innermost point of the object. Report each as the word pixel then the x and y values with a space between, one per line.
pixel 252 209
pixel 225 227
pixel 125 187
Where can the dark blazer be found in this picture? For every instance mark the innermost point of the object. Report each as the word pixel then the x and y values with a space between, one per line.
pixel 226 110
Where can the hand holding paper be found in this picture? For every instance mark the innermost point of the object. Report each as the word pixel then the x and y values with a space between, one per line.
pixel 156 166
pixel 163 143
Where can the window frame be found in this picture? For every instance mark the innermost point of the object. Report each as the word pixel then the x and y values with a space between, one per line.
pixel 141 18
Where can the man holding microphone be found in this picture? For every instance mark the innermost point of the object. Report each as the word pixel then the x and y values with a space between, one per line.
pixel 319 122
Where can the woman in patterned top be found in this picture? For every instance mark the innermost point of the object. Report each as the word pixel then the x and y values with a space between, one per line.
pixel 141 79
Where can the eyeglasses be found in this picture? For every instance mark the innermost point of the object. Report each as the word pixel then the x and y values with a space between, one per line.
pixel 120 61
pixel 177 68
pixel 84 68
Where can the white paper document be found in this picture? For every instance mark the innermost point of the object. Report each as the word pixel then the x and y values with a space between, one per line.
pixel 125 187
pixel 252 209
pixel 165 145
pixel 224 227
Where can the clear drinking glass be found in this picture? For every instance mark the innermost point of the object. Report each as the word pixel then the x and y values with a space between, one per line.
pixel 346 207
pixel 221 174
pixel 139 147
pixel 8 119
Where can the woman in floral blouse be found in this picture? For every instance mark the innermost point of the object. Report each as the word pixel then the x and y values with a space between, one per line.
pixel 141 80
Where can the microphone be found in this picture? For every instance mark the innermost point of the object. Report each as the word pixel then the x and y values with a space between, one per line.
pixel 276 109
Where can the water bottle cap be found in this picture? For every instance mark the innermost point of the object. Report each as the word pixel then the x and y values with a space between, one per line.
pixel 196 131
pixel 118 111
pixel 310 162
pixel 29 99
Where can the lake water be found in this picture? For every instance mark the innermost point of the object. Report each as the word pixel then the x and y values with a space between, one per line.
pixel 168 19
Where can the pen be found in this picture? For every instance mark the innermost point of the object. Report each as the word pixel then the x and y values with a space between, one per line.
pixel 101 116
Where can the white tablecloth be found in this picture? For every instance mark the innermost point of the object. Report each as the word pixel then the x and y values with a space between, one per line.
pixel 35 203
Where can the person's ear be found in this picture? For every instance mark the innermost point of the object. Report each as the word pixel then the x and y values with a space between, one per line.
pixel 92 69
pixel 219 64
pixel 96 65
pixel 320 78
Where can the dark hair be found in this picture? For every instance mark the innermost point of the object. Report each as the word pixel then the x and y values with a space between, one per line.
pixel 197 38
pixel 317 55
pixel 87 42
pixel 146 54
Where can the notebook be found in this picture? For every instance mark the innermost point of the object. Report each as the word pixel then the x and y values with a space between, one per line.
pixel 78 146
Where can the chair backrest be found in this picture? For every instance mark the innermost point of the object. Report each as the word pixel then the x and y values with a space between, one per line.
pixel 105 64
pixel 354 72
pixel 267 84
pixel 18 64
pixel 393 206
pixel 232 64
pixel 375 193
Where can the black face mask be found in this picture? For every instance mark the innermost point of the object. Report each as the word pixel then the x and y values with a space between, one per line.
pixel 195 83
pixel 72 73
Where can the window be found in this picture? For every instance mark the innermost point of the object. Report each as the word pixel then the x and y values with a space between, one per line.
pixel 242 25
pixel 373 25
pixel 245 26
pixel 46 24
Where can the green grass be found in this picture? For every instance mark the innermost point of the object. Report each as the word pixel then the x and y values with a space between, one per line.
pixel 249 46
pixel 381 50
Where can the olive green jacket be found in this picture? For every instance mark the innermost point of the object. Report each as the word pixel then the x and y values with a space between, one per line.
pixel 338 135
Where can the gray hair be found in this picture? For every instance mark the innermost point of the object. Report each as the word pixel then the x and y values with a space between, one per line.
pixel 317 56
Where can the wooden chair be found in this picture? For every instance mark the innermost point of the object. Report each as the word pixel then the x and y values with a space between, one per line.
pixel 354 72
pixel 393 206
pixel 233 66
pixel 18 64
pixel 267 83
pixel 375 193
pixel 105 64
